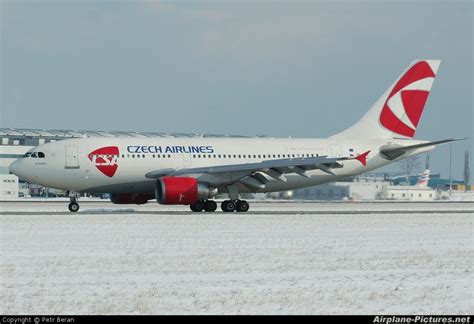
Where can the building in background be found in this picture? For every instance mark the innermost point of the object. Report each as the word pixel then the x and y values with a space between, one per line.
pixel 355 189
pixel 8 187
pixel 412 193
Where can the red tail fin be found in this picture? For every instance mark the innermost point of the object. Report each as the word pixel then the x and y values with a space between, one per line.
pixel 398 111
pixel 402 110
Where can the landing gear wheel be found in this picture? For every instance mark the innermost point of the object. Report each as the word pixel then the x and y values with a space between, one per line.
pixel 210 206
pixel 228 206
pixel 197 207
pixel 73 206
pixel 242 206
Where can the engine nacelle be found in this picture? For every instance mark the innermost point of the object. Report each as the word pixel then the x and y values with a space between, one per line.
pixel 130 198
pixel 182 191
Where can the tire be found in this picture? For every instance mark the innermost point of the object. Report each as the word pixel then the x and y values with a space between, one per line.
pixel 242 206
pixel 197 207
pixel 210 206
pixel 73 207
pixel 228 206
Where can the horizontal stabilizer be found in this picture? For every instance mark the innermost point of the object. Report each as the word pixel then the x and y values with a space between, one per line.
pixel 393 152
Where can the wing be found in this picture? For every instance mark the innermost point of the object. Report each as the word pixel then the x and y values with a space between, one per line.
pixel 252 174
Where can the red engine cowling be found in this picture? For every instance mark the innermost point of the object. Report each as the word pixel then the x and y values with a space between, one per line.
pixel 130 198
pixel 182 191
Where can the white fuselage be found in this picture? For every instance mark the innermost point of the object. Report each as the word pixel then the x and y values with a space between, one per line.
pixel 69 164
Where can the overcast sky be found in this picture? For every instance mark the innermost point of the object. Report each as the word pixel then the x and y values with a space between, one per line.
pixel 305 69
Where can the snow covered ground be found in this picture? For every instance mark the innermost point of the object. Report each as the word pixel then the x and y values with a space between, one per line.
pixel 58 206
pixel 284 258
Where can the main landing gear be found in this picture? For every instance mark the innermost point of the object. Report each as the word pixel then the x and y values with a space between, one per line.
pixel 226 206
pixel 206 205
pixel 237 205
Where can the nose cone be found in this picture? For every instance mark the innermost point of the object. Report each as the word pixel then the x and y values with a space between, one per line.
pixel 17 168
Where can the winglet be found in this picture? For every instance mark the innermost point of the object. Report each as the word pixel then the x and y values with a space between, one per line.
pixel 362 158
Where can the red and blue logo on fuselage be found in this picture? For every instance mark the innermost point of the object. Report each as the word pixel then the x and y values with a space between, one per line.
pixel 105 159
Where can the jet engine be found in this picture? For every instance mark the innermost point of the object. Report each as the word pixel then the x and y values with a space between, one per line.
pixel 130 198
pixel 182 191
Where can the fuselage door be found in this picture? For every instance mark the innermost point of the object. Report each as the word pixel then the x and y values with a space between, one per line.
pixel 72 157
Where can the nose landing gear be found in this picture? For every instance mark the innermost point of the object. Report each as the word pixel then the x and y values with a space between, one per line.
pixel 73 205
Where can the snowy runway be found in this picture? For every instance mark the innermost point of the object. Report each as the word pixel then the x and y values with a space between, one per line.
pixel 282 258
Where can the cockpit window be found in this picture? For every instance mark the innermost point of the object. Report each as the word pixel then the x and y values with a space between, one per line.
pixel 34 155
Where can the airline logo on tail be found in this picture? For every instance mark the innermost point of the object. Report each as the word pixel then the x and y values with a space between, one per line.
pixel 423 181
pixel 105 159
pixel 402 110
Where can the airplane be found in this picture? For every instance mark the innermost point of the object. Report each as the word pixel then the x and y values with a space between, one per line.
pixel 193 171
pixel 424 178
